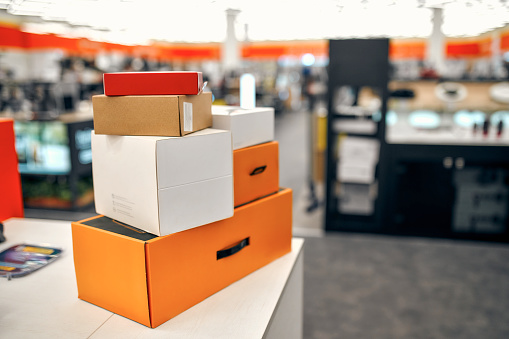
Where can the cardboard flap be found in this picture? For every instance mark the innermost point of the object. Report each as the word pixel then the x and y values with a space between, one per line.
pixel 202 88
pixel 196 157
pixel 110 225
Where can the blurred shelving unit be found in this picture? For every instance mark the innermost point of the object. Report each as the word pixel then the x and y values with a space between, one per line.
pixel 358 92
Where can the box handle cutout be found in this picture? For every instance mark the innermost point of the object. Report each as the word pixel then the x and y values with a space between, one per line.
pixel 232 250
pixel 258 170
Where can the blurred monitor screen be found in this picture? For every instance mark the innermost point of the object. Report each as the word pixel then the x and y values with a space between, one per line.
pixel 42 147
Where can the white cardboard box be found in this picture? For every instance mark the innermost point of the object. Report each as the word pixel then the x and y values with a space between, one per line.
pixel 248 126
pixel 164 185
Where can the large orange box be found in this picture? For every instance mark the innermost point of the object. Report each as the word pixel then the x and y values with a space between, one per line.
pixel 255 172
pixel 151 279
pixel 11 200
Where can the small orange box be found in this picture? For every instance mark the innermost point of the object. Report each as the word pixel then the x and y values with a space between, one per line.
pixel 255 172
pixel 11 200
pixel 151 279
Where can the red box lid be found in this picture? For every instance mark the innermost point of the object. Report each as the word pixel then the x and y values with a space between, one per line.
pixel 153 83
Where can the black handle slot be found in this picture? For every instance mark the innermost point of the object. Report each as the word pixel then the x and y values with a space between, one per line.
pixel 258 170
pixel 232 250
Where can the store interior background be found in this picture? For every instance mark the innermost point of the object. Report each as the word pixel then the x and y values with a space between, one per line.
pixel 406 228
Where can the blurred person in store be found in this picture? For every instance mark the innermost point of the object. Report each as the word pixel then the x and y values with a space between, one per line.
pixel 70 84
pixel 506 65
pixel 43 103
pixel 91 79
pixel 315 91
pixel 17 102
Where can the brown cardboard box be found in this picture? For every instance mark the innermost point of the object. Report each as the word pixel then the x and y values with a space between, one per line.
pixel 156 115
pixel 151 279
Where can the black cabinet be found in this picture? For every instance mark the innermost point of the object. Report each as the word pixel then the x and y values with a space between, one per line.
pixel 455 191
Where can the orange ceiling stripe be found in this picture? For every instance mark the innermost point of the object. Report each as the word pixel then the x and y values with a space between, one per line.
pixel 504 41
pixel 407 50
pixel 468 49
pixel 13 37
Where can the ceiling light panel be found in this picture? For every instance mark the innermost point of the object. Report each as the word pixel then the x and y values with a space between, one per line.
pixel 199 20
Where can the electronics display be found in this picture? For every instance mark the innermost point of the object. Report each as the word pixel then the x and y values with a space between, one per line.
pixel 42 147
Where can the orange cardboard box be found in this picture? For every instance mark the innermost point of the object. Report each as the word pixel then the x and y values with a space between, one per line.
pixel 151 279
pixel 11 200
pixel 255 172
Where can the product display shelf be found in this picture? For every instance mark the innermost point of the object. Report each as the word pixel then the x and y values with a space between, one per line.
pixel 356 66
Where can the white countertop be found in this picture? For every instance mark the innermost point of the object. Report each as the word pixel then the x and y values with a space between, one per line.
pixel 45 304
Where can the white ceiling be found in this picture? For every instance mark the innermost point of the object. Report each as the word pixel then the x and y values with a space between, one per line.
pixel 138 21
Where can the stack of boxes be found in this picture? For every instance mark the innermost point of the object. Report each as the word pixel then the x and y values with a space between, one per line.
pixel 166 185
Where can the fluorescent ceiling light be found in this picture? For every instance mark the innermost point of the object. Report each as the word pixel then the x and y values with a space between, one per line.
pixel 202 21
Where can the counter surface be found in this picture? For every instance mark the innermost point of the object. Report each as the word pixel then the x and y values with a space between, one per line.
pixel 45 304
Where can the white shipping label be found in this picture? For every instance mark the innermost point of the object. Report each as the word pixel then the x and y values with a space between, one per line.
pixel 188 117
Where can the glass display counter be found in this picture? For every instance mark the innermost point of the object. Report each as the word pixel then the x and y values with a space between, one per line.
pixel 450 179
